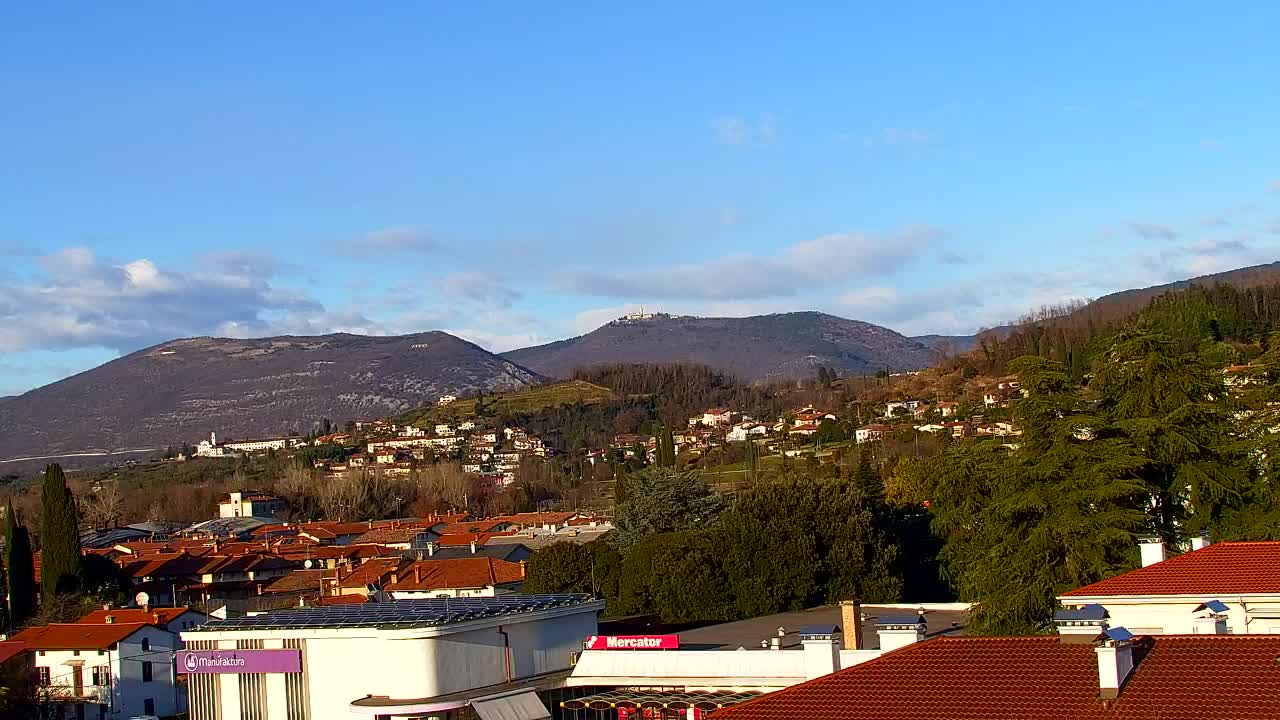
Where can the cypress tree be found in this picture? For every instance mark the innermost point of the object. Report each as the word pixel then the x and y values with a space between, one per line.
pixel 59 535
pixel 21 575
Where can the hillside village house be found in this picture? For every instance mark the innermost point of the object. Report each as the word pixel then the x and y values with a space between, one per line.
pixel 107 671
pixel 895 408
pixel 871 433
pixel 746 430
pixel 464 577
pixel 947 409
pixel 250 503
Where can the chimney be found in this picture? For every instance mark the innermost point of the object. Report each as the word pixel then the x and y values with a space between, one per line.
pixel 524 566
pixel 1082 624
pixel 821 646
pixel 431 549
pixel 898 631
pixel 851 620
pixel 1200 541
pixel 1115 661
pixel 1152 549
pixel 1210 618
pixel 111 619
pixel 775 643
pixel 473 547
pixel 417 574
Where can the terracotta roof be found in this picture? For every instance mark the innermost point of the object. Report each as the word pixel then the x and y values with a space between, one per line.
pixel 1202 677
pixel 946 679
pixel 155 616
pixel 425 575
pixel 74 636
pixel 1227 568
pixel 9 649
pixel 298 581
pixel 371 571
pixel 388 535
pixel 342 600
pixel 538 518
pixel 473 527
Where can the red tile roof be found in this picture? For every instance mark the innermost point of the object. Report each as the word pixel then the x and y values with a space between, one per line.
pixel 298 581
pixel 426 575
pixel 390 535
pixel 963 678
pixel 1191 677
pixel 1228 568
pixel 155 616
pixel 10 649
pixel 539 518
pixel 474 526
pixel 356 599
pixel 371 571
pixel 73 636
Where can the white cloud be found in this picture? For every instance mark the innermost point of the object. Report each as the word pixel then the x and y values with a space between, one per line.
pixel 394 240
pixel 823 261
pixel 81 300
pixel 1274 186
pixel 737 130
pixel 478 287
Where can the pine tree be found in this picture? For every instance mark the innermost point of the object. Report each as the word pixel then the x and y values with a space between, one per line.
pixel 1022 525
pixel 20 568
pixel 59 535
pixel 1169 405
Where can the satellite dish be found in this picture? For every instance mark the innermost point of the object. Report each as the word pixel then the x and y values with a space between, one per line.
pixel 308 564
pixel 142 599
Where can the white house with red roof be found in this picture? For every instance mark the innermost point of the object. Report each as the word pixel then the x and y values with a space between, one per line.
pixel 112 670
pixel 1235 582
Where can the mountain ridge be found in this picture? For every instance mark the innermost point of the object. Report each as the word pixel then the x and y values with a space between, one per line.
pixel 776 346
pixel 183 389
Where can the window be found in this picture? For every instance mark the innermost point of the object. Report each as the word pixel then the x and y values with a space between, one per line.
pixel 44 676
pixel 102 676
pixel 146 672
pixel 76 653
pixel 146 644
pixel 149 706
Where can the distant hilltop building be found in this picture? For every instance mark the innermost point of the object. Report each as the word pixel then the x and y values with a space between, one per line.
pixel 643 316
pixel 446 400
pixel 211 448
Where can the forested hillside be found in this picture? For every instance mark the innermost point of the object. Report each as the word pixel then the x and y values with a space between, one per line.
pixel 1074 335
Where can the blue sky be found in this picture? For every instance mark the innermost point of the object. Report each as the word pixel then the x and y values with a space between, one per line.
pixel 517 174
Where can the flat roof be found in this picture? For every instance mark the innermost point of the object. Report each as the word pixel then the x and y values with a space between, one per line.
pixel 749 633
pixel 432 612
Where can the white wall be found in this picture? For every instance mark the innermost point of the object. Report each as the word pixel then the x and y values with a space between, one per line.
pixel 125 697
pixel 1176 616
pixel 342 667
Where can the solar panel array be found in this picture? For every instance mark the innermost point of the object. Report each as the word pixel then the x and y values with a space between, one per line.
pixel 399 613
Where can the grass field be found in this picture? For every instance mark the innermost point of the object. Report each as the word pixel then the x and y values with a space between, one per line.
pixel 516 403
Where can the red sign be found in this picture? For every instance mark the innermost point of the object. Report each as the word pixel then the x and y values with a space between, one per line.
pixel 633 642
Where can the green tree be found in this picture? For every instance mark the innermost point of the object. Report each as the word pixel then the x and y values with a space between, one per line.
pixel 1021 525
pixel 59 535
pixel 20 568
pixel 829 431
pixel 1169 405
pixel 660 500
pixel 799 541
pixel 566 567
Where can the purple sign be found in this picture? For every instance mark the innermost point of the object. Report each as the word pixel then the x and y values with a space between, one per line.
pixel 284 660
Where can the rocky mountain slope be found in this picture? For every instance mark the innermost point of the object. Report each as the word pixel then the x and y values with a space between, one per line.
pixel 785 345
pixel 183 390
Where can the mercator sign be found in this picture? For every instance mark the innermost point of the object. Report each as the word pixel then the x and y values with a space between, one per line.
pixel 633 642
